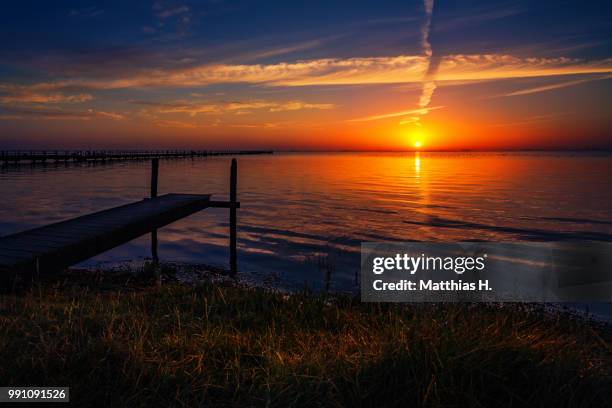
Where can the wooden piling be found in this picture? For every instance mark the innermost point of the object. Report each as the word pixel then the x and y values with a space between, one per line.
pixel 154 255
pixel 233 205
pixel 154 176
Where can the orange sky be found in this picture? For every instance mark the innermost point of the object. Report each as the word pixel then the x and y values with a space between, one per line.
pixel 447 78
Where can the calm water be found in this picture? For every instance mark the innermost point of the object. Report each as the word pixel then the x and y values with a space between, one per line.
pixel 301 212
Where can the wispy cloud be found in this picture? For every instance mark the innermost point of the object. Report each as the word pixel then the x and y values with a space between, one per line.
pixel 45 98
pixel 234 107
pixel 552 87
pixel 111 115
pixel 45 113
pixel 274 52
pixel 385 21
pixel 87 12
pixel 491 13
pixel 217 123
pixel 15 94
pixel 166 12
pixel 298 105
pixel 149 30
pixel 494 66
pixel 335 71
pixel 533 119
pixel 419 111
pixel 177 13
pixel 175 124
pixel 266 125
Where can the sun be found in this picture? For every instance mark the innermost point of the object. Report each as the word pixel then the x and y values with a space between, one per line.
pixel 416 138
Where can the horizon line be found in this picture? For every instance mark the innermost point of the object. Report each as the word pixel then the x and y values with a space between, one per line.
pixel 424 150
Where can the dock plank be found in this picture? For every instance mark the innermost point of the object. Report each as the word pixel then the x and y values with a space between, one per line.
pixel 59 245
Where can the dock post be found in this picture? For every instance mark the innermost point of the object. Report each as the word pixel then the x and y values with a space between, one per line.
pixel 154 256
pixel 233 201
pixel 154 176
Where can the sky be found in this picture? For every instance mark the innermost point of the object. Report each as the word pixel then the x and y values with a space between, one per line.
pixel 316 75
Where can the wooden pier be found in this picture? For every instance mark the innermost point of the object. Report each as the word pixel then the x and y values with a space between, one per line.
pixel 58 156
pixel 54 247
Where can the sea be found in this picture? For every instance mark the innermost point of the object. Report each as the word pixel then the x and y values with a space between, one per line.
pixel 303 216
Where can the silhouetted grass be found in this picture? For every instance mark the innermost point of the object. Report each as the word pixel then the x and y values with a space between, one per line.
pixel 128 344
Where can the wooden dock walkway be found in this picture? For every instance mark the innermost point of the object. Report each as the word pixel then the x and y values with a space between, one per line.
pixel 58 156
pixel 54 247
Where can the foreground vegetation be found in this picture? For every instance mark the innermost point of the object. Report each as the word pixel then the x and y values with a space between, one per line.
pixel 117 342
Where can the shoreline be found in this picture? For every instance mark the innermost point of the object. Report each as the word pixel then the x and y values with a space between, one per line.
pixel 193 274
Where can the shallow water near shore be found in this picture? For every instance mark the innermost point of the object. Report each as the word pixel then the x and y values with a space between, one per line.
pixel 304 215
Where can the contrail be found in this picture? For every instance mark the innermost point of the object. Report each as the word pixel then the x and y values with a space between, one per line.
pixel 429 85
pixel 426 26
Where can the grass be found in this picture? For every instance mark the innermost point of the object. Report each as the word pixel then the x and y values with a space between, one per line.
pixel 118 342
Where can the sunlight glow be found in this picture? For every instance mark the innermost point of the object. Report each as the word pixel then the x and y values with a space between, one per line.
pixel 416 138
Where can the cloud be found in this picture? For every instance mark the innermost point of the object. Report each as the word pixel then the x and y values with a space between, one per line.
pixel 297 105
pixel 266 125
pixel 385 21
pixel 533 119
pixel 235 107
pixel 413 120
pixel 148 30
pixel 14 94
pixel 216 123
pixel 41 113
pixel 552 87
pixel 474 17
pixel 493 66
pixel 45 98
pixel 281 50
pixel 419 112
pixel 46 113
pixel 176 124
pixel 156 111
pixel 87 12
pixel 336 71
pixel 313 72
pixel 173 11
pixel 111 115
pixel 177 14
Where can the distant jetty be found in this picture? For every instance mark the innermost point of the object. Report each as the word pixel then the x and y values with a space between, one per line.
pixel 57 156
